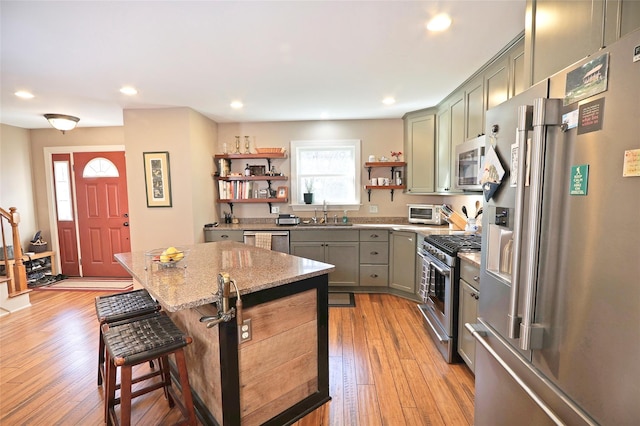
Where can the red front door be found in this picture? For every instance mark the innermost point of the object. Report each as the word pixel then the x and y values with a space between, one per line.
pixel 103 212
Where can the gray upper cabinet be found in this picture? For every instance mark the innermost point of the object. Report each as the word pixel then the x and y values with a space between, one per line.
pixel 458 118
pixel 586 26
pixel 419 133
pixel 443 149
pixel 474 114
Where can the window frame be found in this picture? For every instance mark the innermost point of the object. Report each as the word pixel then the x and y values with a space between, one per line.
pixel 352 144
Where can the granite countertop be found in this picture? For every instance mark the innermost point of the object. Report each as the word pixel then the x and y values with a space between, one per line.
pixel 422 229
pixel 252 268
pixel 472 257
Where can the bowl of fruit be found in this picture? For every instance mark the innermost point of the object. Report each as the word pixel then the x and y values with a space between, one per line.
pixel 166 259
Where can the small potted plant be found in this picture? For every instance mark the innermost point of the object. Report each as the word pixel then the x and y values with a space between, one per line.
pixel 308 195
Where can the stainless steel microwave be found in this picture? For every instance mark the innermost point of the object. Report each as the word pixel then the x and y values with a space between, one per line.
pixel 426 214
pixel 469 163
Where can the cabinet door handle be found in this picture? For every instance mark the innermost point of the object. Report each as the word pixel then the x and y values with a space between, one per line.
pixel 125 224
pixel 476 278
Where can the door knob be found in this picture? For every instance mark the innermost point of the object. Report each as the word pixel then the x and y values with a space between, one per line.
pixel 126 224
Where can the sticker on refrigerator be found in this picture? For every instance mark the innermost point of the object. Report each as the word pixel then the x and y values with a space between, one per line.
pixel 587 80
pixel 631 165
pixel 636 54
pixel 570 119
pixel 513 173
pixel 590 116
pixel 579 179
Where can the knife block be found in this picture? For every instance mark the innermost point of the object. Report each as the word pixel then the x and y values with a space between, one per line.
pixel 457 221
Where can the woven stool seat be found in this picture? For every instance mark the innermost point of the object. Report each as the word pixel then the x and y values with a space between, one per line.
pixel 116 307
pixel 135 341
pixel 120 307
pixel 145 338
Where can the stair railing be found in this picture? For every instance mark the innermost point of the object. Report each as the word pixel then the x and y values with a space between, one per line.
pixel 17 285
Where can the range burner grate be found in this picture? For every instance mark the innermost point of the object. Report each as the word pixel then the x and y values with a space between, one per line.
pixel 452 244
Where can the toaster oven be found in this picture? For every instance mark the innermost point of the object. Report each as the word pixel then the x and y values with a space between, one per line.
pixel 427 214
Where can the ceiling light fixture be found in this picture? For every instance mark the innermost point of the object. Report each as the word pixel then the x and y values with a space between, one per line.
pixel 128 90
pixel 236 105
pixel 24 94
pixel 439 22
pixel 62 122
pixel 389 101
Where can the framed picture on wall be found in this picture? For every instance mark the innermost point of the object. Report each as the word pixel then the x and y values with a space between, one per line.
pixel 283 192
pixel 157 179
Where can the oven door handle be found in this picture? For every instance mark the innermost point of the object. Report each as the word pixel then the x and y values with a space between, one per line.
pixel 446 273
pixel 433 264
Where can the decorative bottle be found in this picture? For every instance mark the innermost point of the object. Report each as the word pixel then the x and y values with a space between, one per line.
pixel 247 170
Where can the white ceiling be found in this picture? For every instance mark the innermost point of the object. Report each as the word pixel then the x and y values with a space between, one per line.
pixel 288 60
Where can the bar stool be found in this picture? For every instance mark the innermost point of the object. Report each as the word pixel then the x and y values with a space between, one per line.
pixel 119 307
pixel 133 342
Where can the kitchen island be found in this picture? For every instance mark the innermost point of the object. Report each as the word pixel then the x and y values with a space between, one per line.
pixel 280 372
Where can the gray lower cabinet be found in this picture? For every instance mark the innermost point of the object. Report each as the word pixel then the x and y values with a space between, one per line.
pixel 374 258
pixel 468 312
pixel 402 266
pixel 339 248
pixel 214 235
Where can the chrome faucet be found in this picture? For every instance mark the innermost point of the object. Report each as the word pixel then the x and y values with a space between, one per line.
pixel 324 211
pixel 314 219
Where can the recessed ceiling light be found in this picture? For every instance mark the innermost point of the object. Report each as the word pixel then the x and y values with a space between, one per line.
pixel 236 105
pixel 128 90
pixel 439 22
pixel 389 101
pixel 24 94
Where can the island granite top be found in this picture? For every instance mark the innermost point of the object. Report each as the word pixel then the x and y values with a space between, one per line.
pixel 252 268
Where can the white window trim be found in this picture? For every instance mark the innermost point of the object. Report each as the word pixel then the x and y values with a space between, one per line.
pixel 297 205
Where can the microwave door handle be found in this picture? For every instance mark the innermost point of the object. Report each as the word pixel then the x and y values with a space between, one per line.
pixel 525 116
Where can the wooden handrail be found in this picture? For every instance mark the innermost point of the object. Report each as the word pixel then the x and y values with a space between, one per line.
pixel 18 284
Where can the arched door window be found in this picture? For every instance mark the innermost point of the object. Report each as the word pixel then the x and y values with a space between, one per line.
pixel 100 167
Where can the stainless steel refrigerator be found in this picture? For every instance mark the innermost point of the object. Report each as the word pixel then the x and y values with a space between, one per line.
pixel 558 330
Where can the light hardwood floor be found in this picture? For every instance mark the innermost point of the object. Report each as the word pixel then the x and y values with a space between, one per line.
pixel 384 368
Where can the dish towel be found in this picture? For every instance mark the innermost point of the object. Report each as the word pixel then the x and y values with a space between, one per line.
pixel 263 240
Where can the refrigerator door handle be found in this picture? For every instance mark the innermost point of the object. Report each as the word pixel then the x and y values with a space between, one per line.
pixel 479 332
pixel 525 120
pixel 546 112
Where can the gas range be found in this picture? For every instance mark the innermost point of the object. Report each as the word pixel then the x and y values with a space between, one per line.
pixel 439 287
pixel 446 247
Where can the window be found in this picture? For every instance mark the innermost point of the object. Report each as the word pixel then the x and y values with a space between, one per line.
pixel 62 177
pixel 100 167
pixel 331 167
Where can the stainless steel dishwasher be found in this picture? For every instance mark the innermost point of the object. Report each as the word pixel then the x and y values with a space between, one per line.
pixel 279 239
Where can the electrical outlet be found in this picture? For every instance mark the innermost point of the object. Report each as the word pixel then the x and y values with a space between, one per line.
pixel 275 209
pixel 373 208
pixel 244 334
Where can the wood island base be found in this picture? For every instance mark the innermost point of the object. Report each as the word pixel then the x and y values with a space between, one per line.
pixel 279 375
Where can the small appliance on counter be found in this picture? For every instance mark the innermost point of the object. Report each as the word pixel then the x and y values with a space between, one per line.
pixel 425 214
pixel 287 219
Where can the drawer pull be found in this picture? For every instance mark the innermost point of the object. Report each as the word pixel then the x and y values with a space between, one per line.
pixel 374 253
pixel 224 236
pixel 374 275
pixel 373 236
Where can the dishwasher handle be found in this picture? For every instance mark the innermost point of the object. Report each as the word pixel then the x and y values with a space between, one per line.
pixel 275 234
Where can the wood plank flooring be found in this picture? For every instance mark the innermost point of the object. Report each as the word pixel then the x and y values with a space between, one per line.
pixel 384 368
